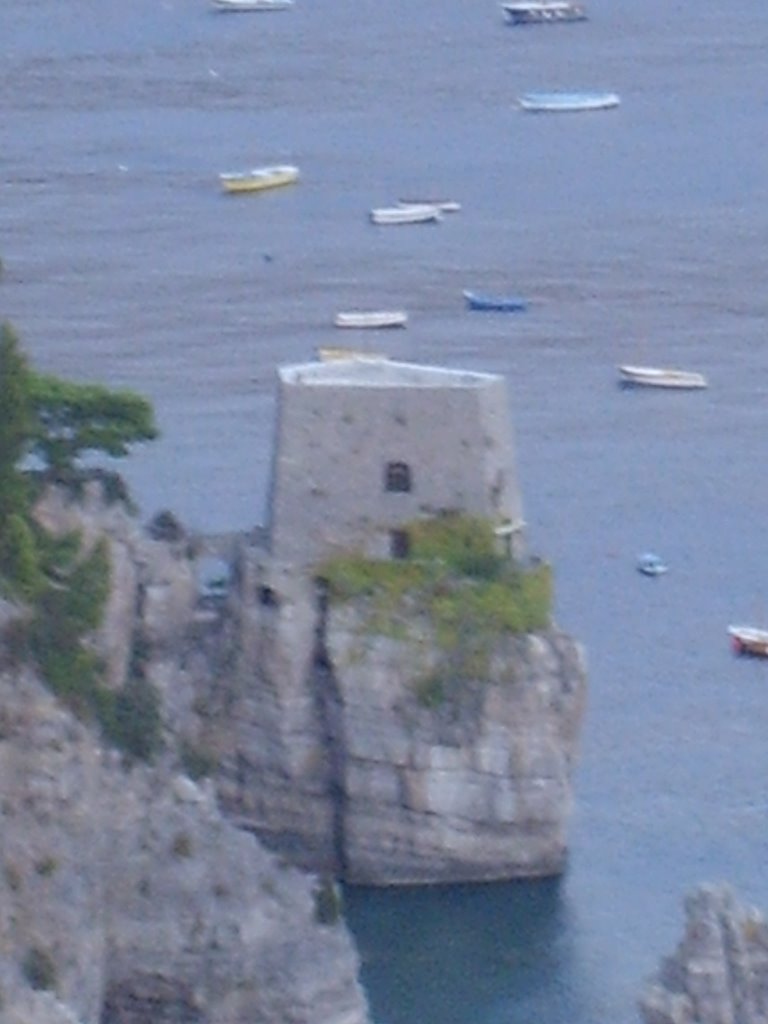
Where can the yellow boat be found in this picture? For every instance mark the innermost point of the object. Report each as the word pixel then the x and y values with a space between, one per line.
pixel 329 354
pixel 259 178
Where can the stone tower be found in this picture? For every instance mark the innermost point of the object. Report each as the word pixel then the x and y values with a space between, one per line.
pixel 364 446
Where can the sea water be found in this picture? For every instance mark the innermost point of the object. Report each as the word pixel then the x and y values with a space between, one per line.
pixel 637 235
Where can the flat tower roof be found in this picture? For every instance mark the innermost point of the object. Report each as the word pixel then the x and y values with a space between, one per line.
pixel 381 373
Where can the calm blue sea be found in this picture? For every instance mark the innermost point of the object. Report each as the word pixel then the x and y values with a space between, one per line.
pixel 637 234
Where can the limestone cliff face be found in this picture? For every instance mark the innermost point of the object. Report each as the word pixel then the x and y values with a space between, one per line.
pixel 318 735
pixel 719 972
pixel 125 896
pixel 340 762
pixel 471 785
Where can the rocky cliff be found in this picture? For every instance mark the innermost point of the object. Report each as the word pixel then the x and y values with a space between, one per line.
pixel 719 972
pixel 318 731
pixel 125 896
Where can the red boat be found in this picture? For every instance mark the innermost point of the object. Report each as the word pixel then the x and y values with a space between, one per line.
pixel 749 640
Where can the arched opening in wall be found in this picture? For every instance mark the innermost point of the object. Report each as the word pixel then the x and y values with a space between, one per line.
pixel 399 544
pixel 397 477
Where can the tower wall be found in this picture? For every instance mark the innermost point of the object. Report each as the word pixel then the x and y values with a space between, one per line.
pixel 336 438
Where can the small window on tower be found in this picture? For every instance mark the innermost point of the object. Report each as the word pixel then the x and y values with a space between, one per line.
pixel 397 477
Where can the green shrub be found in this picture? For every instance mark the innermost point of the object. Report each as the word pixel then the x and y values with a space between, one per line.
pixel 464 544
pixel 39 969
pixel 431 690
pixel 19 560
pixel 58 554
pixel 469 594
pixel 197 762
pixel 131 720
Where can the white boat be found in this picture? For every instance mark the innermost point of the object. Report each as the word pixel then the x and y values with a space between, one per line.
pixel 420 214
pixel 537 12
pixel 329 354
pixel 650 564
pixel 567 102
pixel 259 178
pixel 443 205
pixel 660 377
pixel 374 319
pixel 749 640
pixel 251 5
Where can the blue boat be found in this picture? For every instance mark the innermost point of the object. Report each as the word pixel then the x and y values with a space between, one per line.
pixel 495 304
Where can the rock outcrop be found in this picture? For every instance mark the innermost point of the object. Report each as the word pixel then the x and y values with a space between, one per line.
pixel 719 972
pixel 318 731
pixel 467 782
pixel 126 897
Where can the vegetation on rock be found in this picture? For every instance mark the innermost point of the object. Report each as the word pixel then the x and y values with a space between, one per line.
pixel 469 593
pixel 64 585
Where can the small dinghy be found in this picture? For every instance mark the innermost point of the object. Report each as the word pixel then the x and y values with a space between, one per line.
pixel 749 640
pixel 331 354
pixel 660 377
pixel 542 12
pixel 375 319
pixel 413 214
pixel 567 102
pixel 650 564
pixel 251 5
pixel 259 178
pixel 495 303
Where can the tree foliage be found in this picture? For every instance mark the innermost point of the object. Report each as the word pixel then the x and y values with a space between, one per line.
pixel 19 557
pixel 72 420
pixel 15 423
pixel 57 422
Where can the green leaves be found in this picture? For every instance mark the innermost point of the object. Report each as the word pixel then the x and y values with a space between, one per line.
pixel 71 420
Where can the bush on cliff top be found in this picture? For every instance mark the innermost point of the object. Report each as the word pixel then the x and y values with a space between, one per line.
pixel 454 576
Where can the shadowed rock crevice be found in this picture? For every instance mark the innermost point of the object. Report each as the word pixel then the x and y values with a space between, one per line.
pixel 331 718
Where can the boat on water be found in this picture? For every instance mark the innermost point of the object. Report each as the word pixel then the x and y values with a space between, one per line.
pixel 649 564
pixel 494 303
pixel 259 178
pixel 251 5
pixel 374 319
pixel 331 353
pixel 660 377
pixel 443 205
pixel 749 640
pixel 567 102
pixel 538 12
pixel 413 214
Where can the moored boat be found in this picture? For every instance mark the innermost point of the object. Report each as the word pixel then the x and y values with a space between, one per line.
pixel 259 178
pixel 537 12
pixel 251 5
pixel 421 214
pixel 373 319
pixel 495 303
pixel 567 102
pixel 749 640
pixel 649 564
pixel 660 377
pixel 443 205
pixel 331 353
